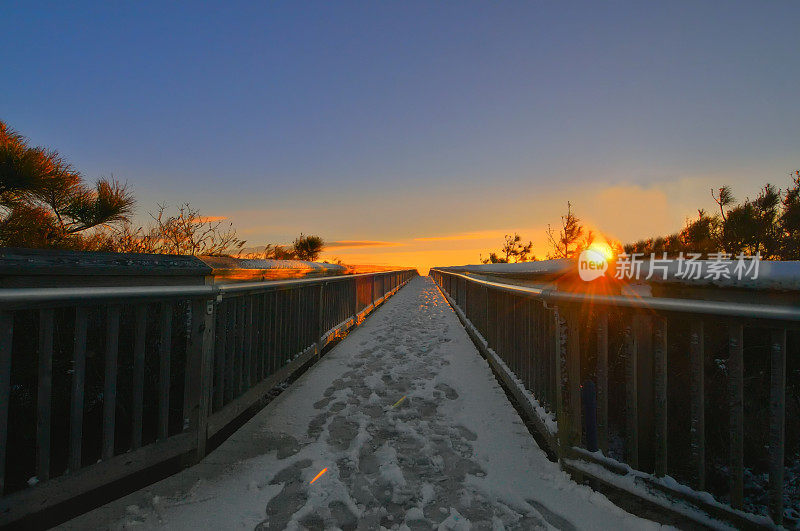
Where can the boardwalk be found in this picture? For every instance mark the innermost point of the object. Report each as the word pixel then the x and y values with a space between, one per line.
pixel 413 430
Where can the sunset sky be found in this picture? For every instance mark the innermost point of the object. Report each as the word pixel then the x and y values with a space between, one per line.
pixel 413 133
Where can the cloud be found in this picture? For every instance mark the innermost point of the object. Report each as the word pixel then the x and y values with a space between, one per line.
pixel 342 244
pixel 459 236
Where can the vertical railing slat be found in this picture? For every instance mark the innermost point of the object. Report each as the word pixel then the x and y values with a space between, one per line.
pixel 6 340
pixel 78 384
pixel 140 336
pixel 643 329
pixel 735 402
pixel 573 366
pixel 560 353
pixel 238 353
pixel 44 394
pixel 697 392
pixel 219 355
pixel 602 379
pixel 262 337
pixel 660 440
pixel 321 314
pixel 777 420
pixel 164 361
pixel 248 343
pixel 110 381
pixel 631 397
pixel 230 350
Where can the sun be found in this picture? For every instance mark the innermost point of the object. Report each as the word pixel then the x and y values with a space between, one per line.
pixel 602 248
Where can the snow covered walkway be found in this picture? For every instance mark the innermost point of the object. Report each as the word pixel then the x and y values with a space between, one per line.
pixel 414 432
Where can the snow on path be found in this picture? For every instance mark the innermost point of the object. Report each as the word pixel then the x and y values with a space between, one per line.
pixel 453 454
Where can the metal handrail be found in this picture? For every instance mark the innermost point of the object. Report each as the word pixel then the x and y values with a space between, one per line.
pixel 550 348
pixel 248 286
pixel 723 308
pixel 16 296
pixel 94 293
pixel 227 347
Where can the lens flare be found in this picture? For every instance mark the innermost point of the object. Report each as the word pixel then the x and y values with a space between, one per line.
pixel 602 248
pixel 318 475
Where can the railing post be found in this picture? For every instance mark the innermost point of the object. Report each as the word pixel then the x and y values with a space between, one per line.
pixel 777 419
pixel 199 362
pixel 562 398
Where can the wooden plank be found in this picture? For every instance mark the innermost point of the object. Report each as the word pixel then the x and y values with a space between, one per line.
pixel 6 341
pixel 271 332
pixel 69 486
pixel 643 328
pixel 673 506
pixel 219 355
pixel 736 405
pixel 230 350
pixel 485 321
pixel 777 422
pixel 294 319
pixel 265 336
pixel 200 358
pixel 697 392
pixel 573 363
pixel 512 355
pixel 78 389
pixel 238 353
pixel 139 341
pixel 660 396
pixel 262 337
pixel 280 318
pixel 44 394
pixel 110 381
pixel 560 356
pixel 631 397
pixel 220 419
pixel 537 353
pixel 164 361
pixel 247 355
pixel 530 368
pixel 601 325
pixel 321 313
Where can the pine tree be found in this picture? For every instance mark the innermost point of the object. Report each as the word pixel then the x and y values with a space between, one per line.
pixel 44 201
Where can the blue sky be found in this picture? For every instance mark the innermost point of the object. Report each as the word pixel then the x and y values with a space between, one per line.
pixel 391 121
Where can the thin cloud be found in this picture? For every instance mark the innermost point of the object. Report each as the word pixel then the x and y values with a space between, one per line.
pixel 460 236
pixel 341 244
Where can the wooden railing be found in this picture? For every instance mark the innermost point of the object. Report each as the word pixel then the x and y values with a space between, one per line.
pixel 98 383
pixel 628 376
